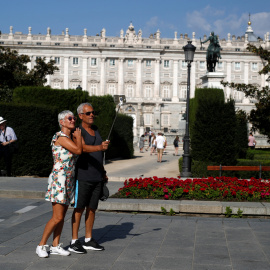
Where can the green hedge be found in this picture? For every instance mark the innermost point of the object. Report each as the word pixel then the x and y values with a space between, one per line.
pixel 70 99
pixel 122 138
pixel 34 127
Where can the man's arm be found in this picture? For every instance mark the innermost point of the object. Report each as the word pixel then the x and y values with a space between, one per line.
pixel 95 148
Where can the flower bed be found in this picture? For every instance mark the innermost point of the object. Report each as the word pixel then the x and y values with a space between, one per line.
pixel 218 188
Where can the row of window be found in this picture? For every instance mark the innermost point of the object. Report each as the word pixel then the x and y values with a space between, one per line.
pixel 166 63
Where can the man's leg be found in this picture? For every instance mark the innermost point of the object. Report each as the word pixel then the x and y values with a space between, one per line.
pixel 89 221
pixel 76 221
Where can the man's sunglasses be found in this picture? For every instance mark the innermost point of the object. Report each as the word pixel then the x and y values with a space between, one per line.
pixel 70 118
pixel 88 113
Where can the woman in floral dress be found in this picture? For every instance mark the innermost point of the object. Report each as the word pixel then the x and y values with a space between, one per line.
pixel 61 182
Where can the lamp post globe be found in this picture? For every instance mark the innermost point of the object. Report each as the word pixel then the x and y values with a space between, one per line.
pixel 189 51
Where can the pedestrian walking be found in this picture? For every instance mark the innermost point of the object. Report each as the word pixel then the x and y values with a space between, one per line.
pixel 160 143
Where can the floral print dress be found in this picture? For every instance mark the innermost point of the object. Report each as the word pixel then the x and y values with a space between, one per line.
pixel 61 182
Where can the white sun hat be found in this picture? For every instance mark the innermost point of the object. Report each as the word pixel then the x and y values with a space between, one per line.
pixel 2 120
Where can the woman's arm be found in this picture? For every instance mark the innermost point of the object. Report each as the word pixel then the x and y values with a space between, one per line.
pixel 75 147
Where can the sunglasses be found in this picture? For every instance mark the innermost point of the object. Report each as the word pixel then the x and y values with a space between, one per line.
pixel 70 118
pixel 88 113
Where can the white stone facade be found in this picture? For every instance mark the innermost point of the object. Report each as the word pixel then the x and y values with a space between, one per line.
pixel 151 72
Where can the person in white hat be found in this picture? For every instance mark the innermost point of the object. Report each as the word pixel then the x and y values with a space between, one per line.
pixel 7 137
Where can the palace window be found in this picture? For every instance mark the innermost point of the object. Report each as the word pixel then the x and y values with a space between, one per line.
pixel 166 91
pixel 130 90
pixel 75 60
pixel 93 61
pixel 57 85
pixel 202 64
pixel 57 60
pixel 112 62
pixel 254 66
pixel 165 120
pixel 183 92
pixel 166 63
pixel 148 91
pixel 148 119
pixel 130 63
pixel 148 63
pixel 93 89
pixel 220 65
pixel 111 89
pixel 237 66
pixel 184 64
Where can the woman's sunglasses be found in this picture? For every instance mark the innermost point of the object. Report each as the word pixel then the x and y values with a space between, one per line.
pixel 70 118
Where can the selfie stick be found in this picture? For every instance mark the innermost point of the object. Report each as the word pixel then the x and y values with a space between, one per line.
pixel 121 102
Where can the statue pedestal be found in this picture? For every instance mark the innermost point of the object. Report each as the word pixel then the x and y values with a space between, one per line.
pixel 212 80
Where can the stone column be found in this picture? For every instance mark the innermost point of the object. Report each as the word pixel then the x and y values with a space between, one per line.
pixel 175 97
pixel 84 73
pixel 29 64
pixel 10 35
pixel 121 76
pixel 66 71
pixel 157 79
pixel 246 73
pixel 192 79
pixel 29 37
pixel 139 78
pixel 48 77
pixel 229 91
pixel 102 76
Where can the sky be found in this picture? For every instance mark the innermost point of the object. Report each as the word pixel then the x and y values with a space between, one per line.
pixel 184 17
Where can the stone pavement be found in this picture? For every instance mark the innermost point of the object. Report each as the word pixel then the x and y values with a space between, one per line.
pixel 136 239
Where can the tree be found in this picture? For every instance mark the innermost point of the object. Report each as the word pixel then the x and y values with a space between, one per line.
pixel 260 116
pixel 14 72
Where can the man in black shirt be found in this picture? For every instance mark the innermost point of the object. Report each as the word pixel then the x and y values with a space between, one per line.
pixel 90 174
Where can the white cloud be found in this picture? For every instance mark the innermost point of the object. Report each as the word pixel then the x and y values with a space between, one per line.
pixel 208 19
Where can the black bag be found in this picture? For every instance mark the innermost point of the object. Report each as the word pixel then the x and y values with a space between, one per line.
pixel 104 195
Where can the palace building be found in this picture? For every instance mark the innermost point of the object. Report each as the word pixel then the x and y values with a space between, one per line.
pixel 151 72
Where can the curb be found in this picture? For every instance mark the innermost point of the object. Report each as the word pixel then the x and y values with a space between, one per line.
pixel 154 206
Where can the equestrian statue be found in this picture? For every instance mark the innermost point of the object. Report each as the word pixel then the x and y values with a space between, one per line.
pixel 213 52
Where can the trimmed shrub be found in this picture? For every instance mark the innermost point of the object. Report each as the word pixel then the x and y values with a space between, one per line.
pixel 213 138
pixel 241 134
pixel 34 127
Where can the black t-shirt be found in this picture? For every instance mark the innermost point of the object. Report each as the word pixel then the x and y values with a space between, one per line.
pixel 90 165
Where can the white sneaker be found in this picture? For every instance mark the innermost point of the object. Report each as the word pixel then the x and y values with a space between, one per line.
pixel 42 252
pixel 59 250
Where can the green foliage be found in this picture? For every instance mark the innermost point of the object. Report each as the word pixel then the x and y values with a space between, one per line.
pixel 228 212
pixel 257 116
pixel 163 211
pixel 241 138
pixel 14 72
pixel 201 95
pixel 34 126
pixel 213 132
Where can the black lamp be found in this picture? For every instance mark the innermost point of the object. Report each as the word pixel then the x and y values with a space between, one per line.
pixel 189 50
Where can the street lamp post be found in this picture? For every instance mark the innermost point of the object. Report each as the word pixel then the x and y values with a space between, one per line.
pixel 189 50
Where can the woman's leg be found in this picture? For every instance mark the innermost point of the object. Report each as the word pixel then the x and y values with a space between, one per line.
pixel 58 229
pixel 59 211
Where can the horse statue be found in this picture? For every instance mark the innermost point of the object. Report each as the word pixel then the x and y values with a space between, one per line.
pixel 213 52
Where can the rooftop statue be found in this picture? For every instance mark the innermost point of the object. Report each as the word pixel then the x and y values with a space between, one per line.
pixel 213 52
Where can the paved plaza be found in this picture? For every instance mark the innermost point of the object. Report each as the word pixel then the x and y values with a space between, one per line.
pixel 135 239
